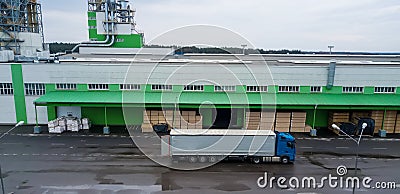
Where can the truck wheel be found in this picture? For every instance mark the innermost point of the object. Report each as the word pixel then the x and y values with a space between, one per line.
pixel 285 160
pixel 256 160
pixel 212 159
pixel 192 159
pixel 203 159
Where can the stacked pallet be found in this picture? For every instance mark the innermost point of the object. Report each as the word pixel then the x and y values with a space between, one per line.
pixel 267 121
pixel 282 123
pixel 336 118
pixel 147 126
pixel 253 120
pixel 355 116
pixel 298 122
pixel 390 121
pixel 378 117
pixel 189 120
pixel 397 128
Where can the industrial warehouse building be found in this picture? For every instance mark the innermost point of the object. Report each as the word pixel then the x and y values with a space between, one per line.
pixel 98 88
pixel 113 82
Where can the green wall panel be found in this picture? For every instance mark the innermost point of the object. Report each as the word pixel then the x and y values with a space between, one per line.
pixel 369 90
pixel 208 88
pixel 207 115
pixel 92 22
pixel 240 89
pixel 305 89
pixel 95 114
pixel 91 14
pixel 51 113
pixel 82 87
pixel 113 87
pixel 176 88
pixel 321 118
pixel 133 116
pixel 19 92
pixel 240 117
pixel 334 90
pixel 130 41
pixel 50 87
pixel 272 89
pixel 115 115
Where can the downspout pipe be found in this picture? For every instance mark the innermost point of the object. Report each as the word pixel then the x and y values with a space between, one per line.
pixel 104 42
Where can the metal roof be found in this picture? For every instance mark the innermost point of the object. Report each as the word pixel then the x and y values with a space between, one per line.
pixel 209 132
pixel 218 98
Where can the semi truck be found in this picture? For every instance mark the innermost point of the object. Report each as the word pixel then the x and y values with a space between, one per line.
pixel 257 146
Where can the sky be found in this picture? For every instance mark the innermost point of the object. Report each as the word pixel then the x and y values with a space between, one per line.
pixel 349 25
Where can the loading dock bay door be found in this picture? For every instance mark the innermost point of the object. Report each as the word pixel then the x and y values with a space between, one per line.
pixel 75 111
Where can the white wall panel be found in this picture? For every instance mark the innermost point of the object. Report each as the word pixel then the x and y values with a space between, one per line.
pixel 30 111
pixel 5 73
pixel 7 110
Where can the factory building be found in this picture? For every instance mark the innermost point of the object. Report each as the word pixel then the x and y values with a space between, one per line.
pixel 114 82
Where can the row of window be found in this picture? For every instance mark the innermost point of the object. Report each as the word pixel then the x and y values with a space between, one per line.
pixel 37 89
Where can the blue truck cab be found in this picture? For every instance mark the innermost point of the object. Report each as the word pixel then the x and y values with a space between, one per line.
pixel 285 147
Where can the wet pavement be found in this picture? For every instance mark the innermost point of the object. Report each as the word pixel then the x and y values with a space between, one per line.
pixel 94 163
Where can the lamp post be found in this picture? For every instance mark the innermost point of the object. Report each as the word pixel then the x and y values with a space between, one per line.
pixel 364 125
pixel 244 48
pixel 330 49
pixel 4 134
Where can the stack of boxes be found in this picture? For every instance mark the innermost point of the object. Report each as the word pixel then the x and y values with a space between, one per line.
pixel 74 124
pixel 390 121
pixel 397 128
pixel 175 119
pixel 267 121
pixel 63 124
pixel 355 116
pixel 147 127
pixel 282 121
pixel 336 118
pixel 188 120
pixel 298 122
pixel 86 124
pixel 253 120
pixel 378 117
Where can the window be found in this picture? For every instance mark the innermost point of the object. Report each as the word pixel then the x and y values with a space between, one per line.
pixel 98 86
pixel 353 89
pixel 257 88
pixel 194 88
pixel 385 90
pixel 224 88
pixel 66 86
pixel 129 86
pixel 6 89
pixel 289 89
pixel 316 89
pixel 161 87
pixel 32 89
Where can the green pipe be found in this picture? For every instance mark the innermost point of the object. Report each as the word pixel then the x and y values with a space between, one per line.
pixel 36 117
pixel 383 120
pixel 315 113
pixel 105 116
